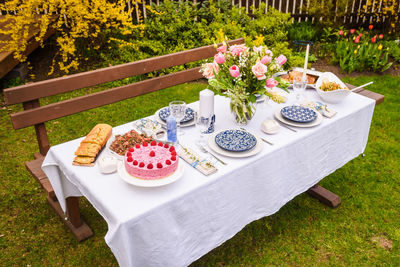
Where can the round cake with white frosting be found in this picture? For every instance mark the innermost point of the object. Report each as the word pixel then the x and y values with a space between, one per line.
pixel 151 161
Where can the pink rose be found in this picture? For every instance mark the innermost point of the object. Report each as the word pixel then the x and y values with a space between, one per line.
pixel 222 49
pixel 236 50
pixel 208 70
pixel 234 71
pixel 257 49
pixel 266 60
pixel 281 60
pixel 259 70
pixel 340 32
pixel 219 58
pixel 269 53
pixel 271 83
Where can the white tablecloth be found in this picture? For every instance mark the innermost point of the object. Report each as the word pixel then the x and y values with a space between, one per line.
pixel 176 224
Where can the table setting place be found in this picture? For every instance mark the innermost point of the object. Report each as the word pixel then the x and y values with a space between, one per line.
pixel 206 135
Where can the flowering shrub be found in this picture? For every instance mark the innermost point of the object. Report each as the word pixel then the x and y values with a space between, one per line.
pixel 73 20
pixel 242 73
pixel 359 51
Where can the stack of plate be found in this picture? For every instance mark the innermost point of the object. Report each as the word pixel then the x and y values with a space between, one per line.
pixel 298 116
pixel 161 116
pixel 235 143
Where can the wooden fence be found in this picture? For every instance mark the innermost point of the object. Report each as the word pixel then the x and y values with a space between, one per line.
pixel 297 8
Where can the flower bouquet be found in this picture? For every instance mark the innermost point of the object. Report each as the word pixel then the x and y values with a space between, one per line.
pixel 243 74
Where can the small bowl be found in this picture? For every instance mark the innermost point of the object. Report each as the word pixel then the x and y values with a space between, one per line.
pixel 334 96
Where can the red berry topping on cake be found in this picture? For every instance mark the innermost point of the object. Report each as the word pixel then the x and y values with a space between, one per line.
pixel 135 162
pixel 150 166
pixel 173 158
pixel 168 162
pixel 137 146
pixel 160 144
pixel 159 165
pixel 141 164
pixel 131 149
pixel 172 148
pixel 145 143
pixel 153 143
pixel 129 154
pixel 152 153
pixel 130 159
pixel 166 146
pixel 173 153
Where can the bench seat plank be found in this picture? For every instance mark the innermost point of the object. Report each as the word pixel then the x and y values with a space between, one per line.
pixel 35 168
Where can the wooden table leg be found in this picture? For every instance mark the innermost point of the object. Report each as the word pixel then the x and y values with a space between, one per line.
pixel 325 196
pixel 73 220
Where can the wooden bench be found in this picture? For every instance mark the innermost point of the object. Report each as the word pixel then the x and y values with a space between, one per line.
pixel 36 115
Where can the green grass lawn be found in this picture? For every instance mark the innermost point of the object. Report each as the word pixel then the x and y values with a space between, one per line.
pixel 363 231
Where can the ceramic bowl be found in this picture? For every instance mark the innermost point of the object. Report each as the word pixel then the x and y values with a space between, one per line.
pixel 334 96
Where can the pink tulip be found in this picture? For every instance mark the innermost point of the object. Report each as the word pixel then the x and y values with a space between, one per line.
pixel 269 53
pixel 234 71
pixel 271 83
pixel 281 60
pixel 371 27
pixel 360 35
pixel 219 58
pixel 352 31
pixel 266 60
pixel 380 36
pixel 373 39
pixel 222 49
pixel 357 40
pixel 340 32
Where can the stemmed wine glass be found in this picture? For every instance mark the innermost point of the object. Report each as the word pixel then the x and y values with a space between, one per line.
pixel 299 86
pixel 177 109
pixel 202 125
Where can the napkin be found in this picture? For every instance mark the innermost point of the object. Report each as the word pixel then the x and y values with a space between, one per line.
pixel 196 161
pixel 320 107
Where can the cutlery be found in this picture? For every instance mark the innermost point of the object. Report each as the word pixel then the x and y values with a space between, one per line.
pixel 266 141
pixel 361 86
pixel 287 127
pixel 204 150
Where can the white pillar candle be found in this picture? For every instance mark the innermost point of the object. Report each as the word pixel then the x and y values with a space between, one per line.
pixel 206 103
pixel 306 61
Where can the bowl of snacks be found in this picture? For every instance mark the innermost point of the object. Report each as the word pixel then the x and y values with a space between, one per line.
pixel 331 89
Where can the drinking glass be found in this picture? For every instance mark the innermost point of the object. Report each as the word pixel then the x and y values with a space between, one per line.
pixel 177 109
pixel 299 86
pixel 202 125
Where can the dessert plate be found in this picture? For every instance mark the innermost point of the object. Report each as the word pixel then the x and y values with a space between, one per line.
pixel 243 154
pixel 149 183
pixel 316 122
pixel 159 120
pixel 165 112
pixel 235 140
pixel 298 114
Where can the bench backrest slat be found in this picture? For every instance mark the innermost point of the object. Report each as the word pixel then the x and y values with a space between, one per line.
pixel 64 108
pixel 69 83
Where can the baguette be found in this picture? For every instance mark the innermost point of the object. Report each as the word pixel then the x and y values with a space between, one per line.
pixel 99 135
pixel 88 150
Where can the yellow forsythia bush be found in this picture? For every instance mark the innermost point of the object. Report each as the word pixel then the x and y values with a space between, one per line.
pixel 72 20
pixel 386 11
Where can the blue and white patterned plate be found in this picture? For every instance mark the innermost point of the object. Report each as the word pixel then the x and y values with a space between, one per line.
pixel 298 114
pixel 235 140
pixel 164 113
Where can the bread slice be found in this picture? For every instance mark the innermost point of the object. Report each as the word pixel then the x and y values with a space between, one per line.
pixel 99 135
pixel 88 150
pixel 83 161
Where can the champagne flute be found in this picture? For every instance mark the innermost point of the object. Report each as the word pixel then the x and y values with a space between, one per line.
pixel 177 109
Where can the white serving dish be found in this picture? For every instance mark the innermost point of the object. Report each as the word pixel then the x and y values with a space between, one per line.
pixel 331 96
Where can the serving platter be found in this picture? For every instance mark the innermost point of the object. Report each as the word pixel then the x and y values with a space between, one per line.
pixel 316 122
pixel 243 154
pixel 125 176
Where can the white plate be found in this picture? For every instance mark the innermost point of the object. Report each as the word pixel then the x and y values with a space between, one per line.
pixel 316 122
pixel 185 124
pixel 258 147
pixel 149 183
